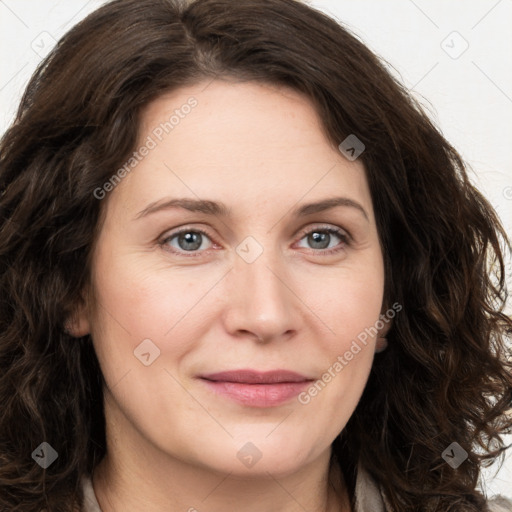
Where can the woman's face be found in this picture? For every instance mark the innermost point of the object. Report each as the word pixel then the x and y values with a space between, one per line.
pixel 265 288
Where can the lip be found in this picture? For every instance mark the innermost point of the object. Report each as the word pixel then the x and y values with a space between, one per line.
pixel 257 389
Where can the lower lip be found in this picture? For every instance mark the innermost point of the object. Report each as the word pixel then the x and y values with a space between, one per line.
pixel 257 395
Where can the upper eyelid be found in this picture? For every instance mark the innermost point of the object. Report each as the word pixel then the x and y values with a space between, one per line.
pixel 323 226
pixel 301 232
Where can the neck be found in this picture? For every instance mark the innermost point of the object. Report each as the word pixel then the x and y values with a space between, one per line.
pixel 316 488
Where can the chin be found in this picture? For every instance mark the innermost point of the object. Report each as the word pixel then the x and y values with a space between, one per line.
pixel 259 457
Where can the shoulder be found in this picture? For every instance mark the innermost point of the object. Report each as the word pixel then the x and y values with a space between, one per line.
pixel 500 504
pixel 370 496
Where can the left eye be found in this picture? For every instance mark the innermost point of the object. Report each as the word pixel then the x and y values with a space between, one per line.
pixel 320 238
pixel 191 240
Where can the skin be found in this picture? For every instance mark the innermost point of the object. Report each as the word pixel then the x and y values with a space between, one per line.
pixel 172 444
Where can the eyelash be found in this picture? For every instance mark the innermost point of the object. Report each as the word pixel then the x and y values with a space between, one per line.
pixel 345 240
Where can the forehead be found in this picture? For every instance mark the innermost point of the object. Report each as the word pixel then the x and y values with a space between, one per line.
pixel 239 142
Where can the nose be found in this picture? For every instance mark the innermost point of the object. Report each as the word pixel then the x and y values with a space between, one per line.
pixel 260 300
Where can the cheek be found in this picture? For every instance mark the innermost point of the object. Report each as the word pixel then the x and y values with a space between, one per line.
pixel 346 352
pixel 349 304
pixel 136 302
pixel 346 360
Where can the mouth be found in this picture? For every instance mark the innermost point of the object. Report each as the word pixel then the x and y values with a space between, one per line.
pixel 257 389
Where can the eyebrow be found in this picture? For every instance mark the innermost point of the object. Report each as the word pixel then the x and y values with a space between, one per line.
pixel 217 208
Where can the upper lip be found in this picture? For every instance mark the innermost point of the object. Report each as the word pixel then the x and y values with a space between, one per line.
pixel 256 377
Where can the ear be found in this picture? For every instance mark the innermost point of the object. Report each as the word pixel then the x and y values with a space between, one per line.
pixel 382 342
pixel 77 323
pixel 388 323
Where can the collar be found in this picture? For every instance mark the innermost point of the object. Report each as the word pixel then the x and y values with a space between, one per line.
pixel 369 496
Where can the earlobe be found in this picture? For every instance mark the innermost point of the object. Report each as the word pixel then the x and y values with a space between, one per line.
pixel 77 326
pixel 77 323
pixel 382 342
pixel 381 345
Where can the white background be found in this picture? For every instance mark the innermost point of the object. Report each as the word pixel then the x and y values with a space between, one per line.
pixel 467 91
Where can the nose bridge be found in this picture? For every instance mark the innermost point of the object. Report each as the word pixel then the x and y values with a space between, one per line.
pixel 262 301
pixel 259 269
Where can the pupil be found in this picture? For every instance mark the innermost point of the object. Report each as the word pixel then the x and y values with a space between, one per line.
pixel 320 238
pixel 191 240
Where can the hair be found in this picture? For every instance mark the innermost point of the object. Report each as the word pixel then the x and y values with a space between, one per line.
pixel 445 377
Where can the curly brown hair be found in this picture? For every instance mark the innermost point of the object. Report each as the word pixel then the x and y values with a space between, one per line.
pixel 442 241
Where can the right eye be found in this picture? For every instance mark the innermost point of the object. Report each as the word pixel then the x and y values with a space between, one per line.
pixel 185 241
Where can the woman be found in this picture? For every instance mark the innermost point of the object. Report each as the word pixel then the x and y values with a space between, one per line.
pixel 241 270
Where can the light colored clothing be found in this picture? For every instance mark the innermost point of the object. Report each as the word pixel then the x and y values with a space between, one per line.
pixel 90 501
pixel 369 497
